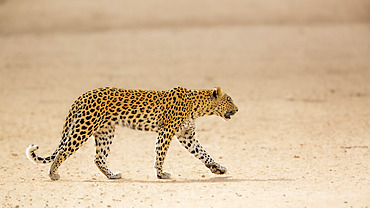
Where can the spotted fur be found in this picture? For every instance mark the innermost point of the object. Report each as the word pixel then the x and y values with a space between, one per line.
pixel 169 113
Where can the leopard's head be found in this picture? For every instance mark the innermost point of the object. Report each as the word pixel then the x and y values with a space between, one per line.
pixel 223 105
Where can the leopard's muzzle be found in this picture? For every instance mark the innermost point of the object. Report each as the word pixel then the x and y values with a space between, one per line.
pixel 228 114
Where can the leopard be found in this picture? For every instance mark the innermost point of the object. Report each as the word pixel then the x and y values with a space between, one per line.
pixel 169 113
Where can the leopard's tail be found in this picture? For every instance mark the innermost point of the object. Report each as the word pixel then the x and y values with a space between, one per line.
pixel 30 152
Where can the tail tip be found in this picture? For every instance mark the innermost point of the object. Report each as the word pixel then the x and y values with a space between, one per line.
pixel 32 147
pixel 30 150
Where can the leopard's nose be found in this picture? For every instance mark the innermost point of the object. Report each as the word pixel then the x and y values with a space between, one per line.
pixel 234 111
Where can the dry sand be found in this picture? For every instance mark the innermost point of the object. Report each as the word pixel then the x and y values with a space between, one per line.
pixel 299 71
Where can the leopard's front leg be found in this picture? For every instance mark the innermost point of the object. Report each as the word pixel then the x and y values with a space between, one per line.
pixel 187 138
pixel 161 148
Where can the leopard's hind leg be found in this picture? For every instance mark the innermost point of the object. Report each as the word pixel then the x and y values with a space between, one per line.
pixel 72 142
pixel 103 139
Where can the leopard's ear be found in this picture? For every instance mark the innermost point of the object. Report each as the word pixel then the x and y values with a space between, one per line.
pixel 217 93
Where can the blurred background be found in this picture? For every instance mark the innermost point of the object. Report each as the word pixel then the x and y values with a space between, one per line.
pixel 195 44
pixel 299 71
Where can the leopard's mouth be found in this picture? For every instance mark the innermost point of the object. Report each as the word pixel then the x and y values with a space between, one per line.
pixel 228 114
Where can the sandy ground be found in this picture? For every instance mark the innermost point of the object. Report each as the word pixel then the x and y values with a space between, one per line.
pixel 299 71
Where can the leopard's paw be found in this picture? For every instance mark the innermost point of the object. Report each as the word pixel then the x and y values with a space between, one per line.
pixel 117 175
pixel 164 175
pixel 217 169
pixel 54 176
